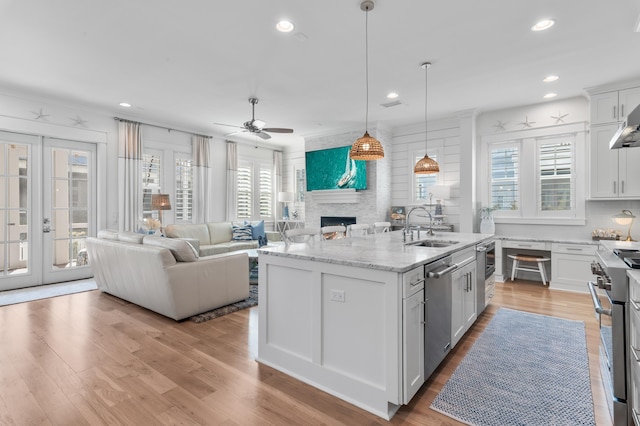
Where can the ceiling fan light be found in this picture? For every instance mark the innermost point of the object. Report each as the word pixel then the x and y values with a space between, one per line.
pixel 366 148
pixel 426 166
pixel 259 123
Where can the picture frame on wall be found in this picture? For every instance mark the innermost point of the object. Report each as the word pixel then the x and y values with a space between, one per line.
pixel 398 213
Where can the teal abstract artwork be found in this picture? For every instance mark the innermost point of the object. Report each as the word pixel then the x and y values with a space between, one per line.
pixel 333 169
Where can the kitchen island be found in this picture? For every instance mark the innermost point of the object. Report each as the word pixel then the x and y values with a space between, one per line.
pixel 345 316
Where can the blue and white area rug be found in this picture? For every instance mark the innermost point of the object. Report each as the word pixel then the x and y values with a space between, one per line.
pixel 524 369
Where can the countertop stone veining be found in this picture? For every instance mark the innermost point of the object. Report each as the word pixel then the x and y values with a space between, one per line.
pixel 384 251
pixel 546 240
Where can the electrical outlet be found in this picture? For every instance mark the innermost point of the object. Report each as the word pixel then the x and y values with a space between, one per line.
pixel 337 295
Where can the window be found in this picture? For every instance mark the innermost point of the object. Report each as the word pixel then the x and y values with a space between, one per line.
pixel 422 183
pixel 150 182
pixel 184 190
pixel 255 190
pixel 504 178
pixel 537 179
pixel 244 194
pixel 555 162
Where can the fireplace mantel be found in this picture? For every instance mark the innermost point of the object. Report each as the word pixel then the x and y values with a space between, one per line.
pixel 326 196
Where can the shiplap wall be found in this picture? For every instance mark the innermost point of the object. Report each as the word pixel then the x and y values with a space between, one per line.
pixel 409 141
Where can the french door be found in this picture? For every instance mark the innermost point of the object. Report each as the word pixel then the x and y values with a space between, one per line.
pixel 47 209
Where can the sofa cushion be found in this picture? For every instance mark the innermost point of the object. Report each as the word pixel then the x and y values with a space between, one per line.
pixel 213 249
pixel 181 250
pixel 198 231
pixel 130 237
pixel 220 232
pixel 108 234
pixel 242 233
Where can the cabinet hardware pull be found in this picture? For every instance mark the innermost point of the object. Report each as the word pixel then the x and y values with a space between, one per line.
pixel 420 281
pixel 634 351
pixel 614 187
pixel 596 302
pixel 622 186
pixel 621 110
pixel 634 304
pixel 574 249
pixel 447 346
pixel 524 245
pixel 614 111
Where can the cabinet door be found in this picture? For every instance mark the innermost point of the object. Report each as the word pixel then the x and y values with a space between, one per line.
pixel 629 173
pixel 470 296
pixel 604 108
pixel 604 163
pixel 627 101
pixel 413 344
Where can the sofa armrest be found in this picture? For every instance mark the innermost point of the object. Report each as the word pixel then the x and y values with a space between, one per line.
pixel 193 242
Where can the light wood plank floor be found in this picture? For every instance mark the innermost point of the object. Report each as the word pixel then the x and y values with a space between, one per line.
pixel 90 358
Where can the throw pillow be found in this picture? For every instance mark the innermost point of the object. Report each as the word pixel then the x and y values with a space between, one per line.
pixel 181 250
pixel 257 229
pixel 242 233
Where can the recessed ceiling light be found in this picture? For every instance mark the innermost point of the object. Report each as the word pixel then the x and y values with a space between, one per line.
pixel 550 95
pixel 543 25
pixel 284 26
pixel 550 78
pixel 392 95
pixel 124 104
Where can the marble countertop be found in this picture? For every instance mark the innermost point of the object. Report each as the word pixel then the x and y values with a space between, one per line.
pixel 384 251
pixel 547 240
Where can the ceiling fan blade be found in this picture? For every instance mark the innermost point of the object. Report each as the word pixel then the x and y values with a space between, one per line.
pixel 228 125
pixel 263 135
pixel 277 130
pixel 235 133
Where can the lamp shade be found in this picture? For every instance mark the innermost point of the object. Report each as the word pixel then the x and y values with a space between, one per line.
pixel 366 148
pixel 160 202
pixel 426 166
pixel 625 217
pixel 285 197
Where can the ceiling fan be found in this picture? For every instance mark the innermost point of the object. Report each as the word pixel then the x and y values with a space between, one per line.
pixel 256 126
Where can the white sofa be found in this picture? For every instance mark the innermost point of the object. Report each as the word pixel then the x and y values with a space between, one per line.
pixel 212 237
pixel 165 275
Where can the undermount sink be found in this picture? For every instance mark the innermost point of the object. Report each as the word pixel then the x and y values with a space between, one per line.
pixel 432 243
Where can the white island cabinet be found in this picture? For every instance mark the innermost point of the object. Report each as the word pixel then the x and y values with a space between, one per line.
pixel 346 316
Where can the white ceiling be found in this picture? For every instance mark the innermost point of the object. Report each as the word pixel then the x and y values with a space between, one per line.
pixel 192 63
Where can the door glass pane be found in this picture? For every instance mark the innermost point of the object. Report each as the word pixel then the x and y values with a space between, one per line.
pixel 17 258
pixel 70 203
pixel 15 229
pixel 17 159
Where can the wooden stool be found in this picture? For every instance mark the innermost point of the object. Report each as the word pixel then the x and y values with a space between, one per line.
pixel 517 258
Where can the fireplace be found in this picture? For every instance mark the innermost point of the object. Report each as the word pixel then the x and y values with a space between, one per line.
pixel 337 220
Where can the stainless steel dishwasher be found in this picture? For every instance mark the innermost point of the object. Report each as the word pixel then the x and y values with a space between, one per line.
pixel 437 314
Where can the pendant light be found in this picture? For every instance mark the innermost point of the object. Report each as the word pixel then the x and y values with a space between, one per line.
pixel 426 165
pixel 366 147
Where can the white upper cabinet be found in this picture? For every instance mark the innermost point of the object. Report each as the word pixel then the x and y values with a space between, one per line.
pixel 613 107
pixel 613 174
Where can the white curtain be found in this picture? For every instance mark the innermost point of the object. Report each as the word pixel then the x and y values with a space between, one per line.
pixel 129 179
pixel 232 180
pixel 201 179
pixel 277 183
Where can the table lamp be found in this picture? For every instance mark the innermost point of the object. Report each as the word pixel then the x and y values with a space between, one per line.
pixel 160 202
pixel 286 198
pixel 625 217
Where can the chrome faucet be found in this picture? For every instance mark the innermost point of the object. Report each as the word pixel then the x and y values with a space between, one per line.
pixel 407 225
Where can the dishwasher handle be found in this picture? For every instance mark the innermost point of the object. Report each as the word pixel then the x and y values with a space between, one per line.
pixel 449 269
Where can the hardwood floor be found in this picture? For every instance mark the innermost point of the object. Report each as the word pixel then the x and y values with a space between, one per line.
pixel 90 358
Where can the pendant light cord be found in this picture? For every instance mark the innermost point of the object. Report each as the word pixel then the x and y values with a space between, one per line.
pixel 426 96
pixel 366 60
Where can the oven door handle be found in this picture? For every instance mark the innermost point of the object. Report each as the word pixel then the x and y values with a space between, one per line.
pixel 596 301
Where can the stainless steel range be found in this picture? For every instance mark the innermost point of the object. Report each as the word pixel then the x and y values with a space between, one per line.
pixel 612 308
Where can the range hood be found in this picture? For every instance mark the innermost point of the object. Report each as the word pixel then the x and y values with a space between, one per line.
pixel 628 134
